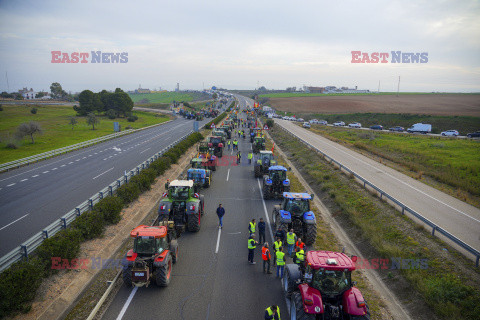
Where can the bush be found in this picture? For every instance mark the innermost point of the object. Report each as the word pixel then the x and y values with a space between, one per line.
pixel 65 244
pixel 18 285
pixel 132 118
pixel 90 224
pixel 111 114
pixel 160 165
pixel 33 110
pixel 11 145
pixel 171 155
pixel 141 181
pixel 110 208
pixel 128 192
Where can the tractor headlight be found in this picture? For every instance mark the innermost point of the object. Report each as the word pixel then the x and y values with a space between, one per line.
pixel 286 182
pixel 268 182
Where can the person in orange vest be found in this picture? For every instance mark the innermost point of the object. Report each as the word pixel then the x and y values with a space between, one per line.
pixel 266 256
pixel 300 244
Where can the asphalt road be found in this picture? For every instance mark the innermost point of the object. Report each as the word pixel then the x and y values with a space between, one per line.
pixel 34 196
pixel 212 278
pixel 455 216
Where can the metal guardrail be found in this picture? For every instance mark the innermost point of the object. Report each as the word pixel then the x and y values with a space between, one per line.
pixel 435 227
pixel 43 156
pixel 34 242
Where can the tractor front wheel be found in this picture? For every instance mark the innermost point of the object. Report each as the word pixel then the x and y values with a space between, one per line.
pixel 164 273
pixel 127 276
pixel 296 309
pixel 266 193
pixel 311 234
pixel 257 171
pixel 194 222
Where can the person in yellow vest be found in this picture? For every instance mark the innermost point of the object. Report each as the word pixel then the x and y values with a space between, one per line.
pixel 272 313
pixel 280 259
pixel 277 245
pixel 291 238
pixel 252 226
pixel 228 144
pixel 250 157
pixel 299 257
pixel 252 244
pixel 266 256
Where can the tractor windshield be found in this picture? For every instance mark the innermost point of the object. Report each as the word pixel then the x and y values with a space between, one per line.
pixel 331 282
pixel 194 176
pixel 180 193
pixel 145 245
pixel 215 139
pixel 278 175
pixel 297 205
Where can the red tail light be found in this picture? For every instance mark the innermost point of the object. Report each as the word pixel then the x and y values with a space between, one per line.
pixel 361 304
pixel 192 207
pixel 220 145
pixel 162 207
pixel 309 302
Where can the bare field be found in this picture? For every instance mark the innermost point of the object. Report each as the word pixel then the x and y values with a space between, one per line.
pixel 432 104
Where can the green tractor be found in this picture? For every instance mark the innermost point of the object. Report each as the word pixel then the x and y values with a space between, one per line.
pixel 275 183
pixel 258 144
pixel 264 161
pixel 204 163
pixel 201 178
pixel 181 205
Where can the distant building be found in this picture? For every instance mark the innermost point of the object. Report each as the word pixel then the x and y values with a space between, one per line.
pixel 140 90
pixel 27 94
pixel 315 89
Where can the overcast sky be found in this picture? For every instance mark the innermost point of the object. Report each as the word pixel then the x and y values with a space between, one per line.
pixel 239 44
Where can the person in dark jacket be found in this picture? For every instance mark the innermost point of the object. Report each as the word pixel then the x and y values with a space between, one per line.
pixel 272 313
pixel 220 214
pixel 261 231
pixel 280 234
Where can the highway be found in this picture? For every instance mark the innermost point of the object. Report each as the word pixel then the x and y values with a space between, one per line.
pixel 212 278
pixel 457 217
pixel 32 197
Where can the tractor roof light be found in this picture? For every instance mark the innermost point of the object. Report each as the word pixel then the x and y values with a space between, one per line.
pixel 332 262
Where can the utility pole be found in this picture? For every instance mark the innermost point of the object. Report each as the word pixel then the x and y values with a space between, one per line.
pixel 8 85
pixel 398 88
pixel 378 86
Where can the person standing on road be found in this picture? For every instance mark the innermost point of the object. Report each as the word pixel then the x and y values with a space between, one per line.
pixel 220 214
pixel 300 244
pixel 276 246
pixel 252 244
pixel 291 237
pixel 261 231
pixel 266 256
pixel 280 259
pixel 239 157
pixel 299 258
pixel 228 144
pixel 250 157
pixel 280 234
pixel 272 313
pixel 251 226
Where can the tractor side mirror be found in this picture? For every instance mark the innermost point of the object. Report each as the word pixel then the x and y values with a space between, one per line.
pixel 166 185
pixel 289 169
pixel 312 195
pixel 354 283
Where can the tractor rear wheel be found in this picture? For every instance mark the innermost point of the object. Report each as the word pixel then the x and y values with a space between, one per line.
pixel 275 220
pixel 127 276
pixel 266 193
pixel 164 273
pixel 289 280
pixel 310 234
pixel 296 308
pixel 257 171
pixel 174 250
pixel 194 222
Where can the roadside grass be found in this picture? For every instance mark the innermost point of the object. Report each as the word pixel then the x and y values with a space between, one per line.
pixel 326 240
pixel 303 94
pixel 450 283
pixel 57 132
pixel 168 97
pixel 463 124
pixel 452 162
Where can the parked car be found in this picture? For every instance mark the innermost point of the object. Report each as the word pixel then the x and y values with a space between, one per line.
pixel 420 128
pixel 324 122
pixel 451 133
pixel 355 125
pixel 300 120
pixel 286 118
pixel 376 127
pixel 397 128
pixel 339 124
pixel 314 121
pixel 306 125
pixel 474 135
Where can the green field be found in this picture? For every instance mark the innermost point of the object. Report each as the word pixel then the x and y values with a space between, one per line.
pixel 168 97
pixel 303 94
pixel 463 124
pixel 453 162
pixel 57 132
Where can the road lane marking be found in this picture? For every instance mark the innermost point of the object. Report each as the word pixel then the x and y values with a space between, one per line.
pixel 70 162
pixel 23 180
pixel 228 173
pixel 13 222
pixel 144 150
pixel 63 165
pixel 127 303
pixel 35 176
pixel 54 169
pixel 11 184
pixel 103 173
pixel 218 240
pixel 45 171
pixel 393 177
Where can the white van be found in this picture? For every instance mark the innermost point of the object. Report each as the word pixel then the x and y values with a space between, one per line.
pixel 420 128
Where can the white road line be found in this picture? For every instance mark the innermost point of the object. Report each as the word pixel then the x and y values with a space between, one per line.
pixel 103 173
pixel 70 162
pixel 63 165
pixel 218 240
pixel 13 222
pixel 77 160
pixel 54 169
pixel 45 171
pixel 23 180
pixel 265 209
pixel 395 178
pixel 127 303
pixel 228 173
pixel 35 176
pixel 144 150
pixel 11 184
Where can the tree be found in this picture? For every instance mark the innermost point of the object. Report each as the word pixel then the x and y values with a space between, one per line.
pixel 73 122
pixel 41 94
pixel 87 103
pixel 92 120
pixel 214 96
pixel 28 129
pixel 33 110
pixel 56 90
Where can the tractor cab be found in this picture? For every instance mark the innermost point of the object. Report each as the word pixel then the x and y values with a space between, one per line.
pixel 149 240
pixel 275 183
pixel 200 177
pixel 296 203
pixel 258 144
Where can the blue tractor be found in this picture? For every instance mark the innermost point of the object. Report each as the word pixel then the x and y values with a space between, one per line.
pixel 201 178
pixel 275 183
pixel 294 213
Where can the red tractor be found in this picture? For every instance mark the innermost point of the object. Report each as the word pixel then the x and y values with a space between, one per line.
pixel 322 288
pixel 155 249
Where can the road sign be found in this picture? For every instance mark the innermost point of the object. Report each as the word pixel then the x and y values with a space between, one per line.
pixel 212 126
pixel 265 127
pixel 195 126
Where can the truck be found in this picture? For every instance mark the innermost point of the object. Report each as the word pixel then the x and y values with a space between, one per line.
pixel 420 128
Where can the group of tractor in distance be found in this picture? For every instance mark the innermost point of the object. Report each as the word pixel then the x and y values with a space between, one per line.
pixel 207 112
pixel 320 287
